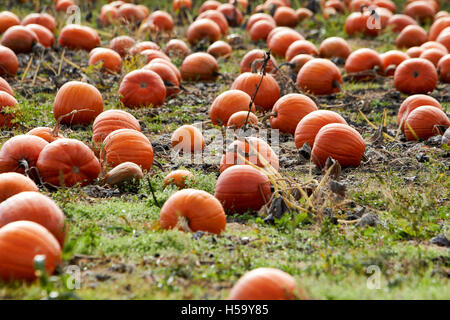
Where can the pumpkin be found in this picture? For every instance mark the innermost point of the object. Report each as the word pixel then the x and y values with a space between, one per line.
pixel 441 14
pixel 169 64
pixel 289 110
pixel 63 5
pixel 275 31
pixel 181 4
pixel 122 45
pixel 8 62
pixel 437 27
pixel 280 41
pixel 167 74
pixel 233 14
pixel 398 22
pixel 220 49
pixel 388 4
pixel 44 36
pixel 178 178
pixel 241 188
pixel 226 104
pixel 247 148
pixel 6 100
pixel 12 183
pixel 116 4
pixel 254 18
pixel 193 210
pixel 7 20
pixel 444 38
pixel 144 10
pixel 391 59
pixel 443 68
pixel 433 55
pixel 265 284
pixel 299 47
pixel 19 39
pixel 309 126
pixel 188 139
pixel 130 13
pixel 411 36
pixel 237 119
pixel 199 66
pixel 256 54
pixel 125 172
pixel 77 103
pixel 152 54
pixel 43 19
pixel 21 153
pixel 413 102
pixel 108 15
pixel 141 88
pixel 36 207
pixel 358 5
pixel 434 45
pixel 423 122
pixel 111 120
pixel 414 52
pixel 285 16
pixel 268 93
pixel 337 5
pixel 66 162
pixel 74 36
pixel 334 47
pixel 142 46
pixel 112 62
pixel 162 20
pixel 4 86
pixel 354 23
pixel 20 243
pixel 203 29
pixel 319 76
pixel 177 48
pixel 48 134
pixel 209 5
pixel 127 145
pixel 415 75
pixel 446 137
pixel 339 141
pixel 216 17
pixel 261 29
pixel 362 62
pixel 303 14
pixel 420 10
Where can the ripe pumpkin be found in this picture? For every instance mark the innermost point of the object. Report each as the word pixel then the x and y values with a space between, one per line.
pixel 83 99
pixel 220 49
pixel 275 31
pixel 233 14
pixel 434 45
pixel 4 86
pixel 289 110
pixel 124 172
pixel 337 5
pixel 8 62
pixel 36 207
pixel 111 120
pixel 20 152
pixel 420 10
pixel 268 93
pixel 7 20
pixel 168 76
pixel 334 47
pixel 112 62
pixel 237 119
pixel 108 15
pixel 142 46
pixel 303 14
pixel 199 66
pixel 200 210
pixel 162 20
pixel 63 5
pixel 444 38
pixel 254 18
pixel 339 141
pixel 413 102
pixel 209 5
pixel 388 4
pixel 411 36
pixel 20 243
pixel 363 60
pixel 141 88
pixel 122 45
pixel 241 188
pixel 246 148
pixel 261 29
pixel 169 64
pixel 437 27
pixel 354 23
pixel 256 54
pixel 48 134
pixel 217 17
pixel 127 145
pixel 181 4
pixel 433 55
pixel 203 29
pixel 285 16
pixel 178 178
pixel 443 68
pixel 67 162
pixel 12 183
pixel 319 76
pixel 414 52
pixel 74 36
pixel 6 100
pixel 441 14
pixel 44 36
pixel 415 75
pixel 309 126
pixel 188 139
pixel 19 39
pixel 177 48
pixel 398 22
pixel 226 104
pixel 265 284
pixel 391 59
pixel 423 121
pixel 152 54
pixel 281 40
pixel 43 19
pixel 130 13
pixel 299 47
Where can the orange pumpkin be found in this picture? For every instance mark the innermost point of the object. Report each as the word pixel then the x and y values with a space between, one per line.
pixel 319 76
pixel 289 110
pixel 362 61
pixel 167 74
pixel 391 59
pixel 299 47
pixel 226 104
pixel 43 19
pixel 130 13
pixel 36 207
pixel 388 4
pixel 420 10
pixel 48 134
pixel 339 141
pixel 398 22
pixel 178 178
pixel 233 14
pixel 216 17
pixel 188 139
pixel 142 46
pixel 74 36
pixel 285 16
pixel 413 102
pixel 4 86
pixel 261 29
pixel 437 27
pixel 268 93
pixel 281 40
pixel 303 14
pixel 434 45
pixel 181 4
pixel 172 67
pixel 414 52
pixel 199 210
pixel 7 20
pixel 12 183
pixel 411 36
pixel 209 5
pixel 127 145
pixel 44 36
pixel 112 62
pixel 152 54
pixel 256 54
pixel 203 29
pixel 220 49
pixel 141 88
pixel 122 45
pixel 19 39
pixel 237 119
pixel 20 243
pixel 108 15
pixel 63 5
pixel 8 62
pixel 162 20
pixel 423 122
pixel 254 18
pixel 433 55
pixel 199 66
pixel 309 126
pixel 239 197
pixel 111 120
pixel 444 38
pixel 443 68
pixel 6 100
pixel 177 48
pixel 334 47
pixel 415 75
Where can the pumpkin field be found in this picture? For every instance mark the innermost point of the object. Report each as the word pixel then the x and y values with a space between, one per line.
pixel 242 149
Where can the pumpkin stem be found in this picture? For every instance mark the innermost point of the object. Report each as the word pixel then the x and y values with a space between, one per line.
pixel 70 114
pixel 24 164
pixel 415 74
pixel 183 223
